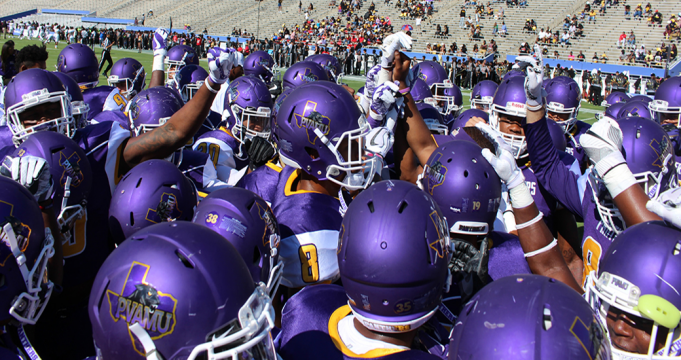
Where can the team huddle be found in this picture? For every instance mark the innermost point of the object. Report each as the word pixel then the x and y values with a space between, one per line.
pixel 237 213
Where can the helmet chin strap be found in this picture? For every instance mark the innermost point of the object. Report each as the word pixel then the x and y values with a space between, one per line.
pixel 150 352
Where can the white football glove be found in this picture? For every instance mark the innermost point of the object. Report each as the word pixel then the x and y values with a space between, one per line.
pixel 379 141
pixel 32 172
pixel 668 206
pixel 392 43
pixel 220 63
pixel 160 41
pixel 506 167
pixel 534 81
pixel 602 144
pixel 384 98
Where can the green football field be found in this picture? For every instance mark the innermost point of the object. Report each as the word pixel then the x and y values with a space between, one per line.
pixel 146 58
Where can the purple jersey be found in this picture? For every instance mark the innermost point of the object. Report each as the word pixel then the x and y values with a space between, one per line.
pixel 88 247
pixel 262 181
pixel 573 148
pixel 573 191
pixel 223 149
pixel 198 167
pixel 104 98
pixel 115 116
pixel 309 222
pixel 5 137
pixel 309 330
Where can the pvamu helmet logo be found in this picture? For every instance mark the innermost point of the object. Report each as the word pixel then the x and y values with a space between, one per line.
pixel 22 232
pixel 421 75
pixel 306 76
pixel 663 150
pixel 440 245
pixel 70 165
pixel 61 62
pixel 167 209
pixel 233 93
pixel 263 61
pixel 141 303
pixel 310 119
pixel 266 215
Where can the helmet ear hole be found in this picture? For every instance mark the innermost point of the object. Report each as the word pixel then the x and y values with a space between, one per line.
pixel 314 154
pixel 184 259
pixel 403 205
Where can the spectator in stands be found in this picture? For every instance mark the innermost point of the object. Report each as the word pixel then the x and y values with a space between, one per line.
pixel 627 11
pixel 31 56
pixel 648 9
pixel 495 29
pixel 565 39
pixel 556 55
pixel 545 51
pixel 622 40
pixel 503 31
pixel 462 17
pixel 623 57
pixel 580 56
pixel 592 16
pixel 594 59
pixel 673 52
pixel 631 40
pixel 631 58
pixel 638 12
pixel 656 18
pixel 571 57
pixel 604 58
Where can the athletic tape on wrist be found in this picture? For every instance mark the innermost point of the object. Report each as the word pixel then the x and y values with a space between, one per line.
pixel 531 222
pixel 546 248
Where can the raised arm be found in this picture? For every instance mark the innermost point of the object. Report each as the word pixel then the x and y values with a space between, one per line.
pixel 179 129
pixel 159 43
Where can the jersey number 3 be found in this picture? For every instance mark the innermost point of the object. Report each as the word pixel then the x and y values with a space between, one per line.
pixel 308 262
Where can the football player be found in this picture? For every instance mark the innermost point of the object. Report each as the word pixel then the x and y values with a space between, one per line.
pixel 179 290
pixel 482 94
pixel 128 75
pixel 392 253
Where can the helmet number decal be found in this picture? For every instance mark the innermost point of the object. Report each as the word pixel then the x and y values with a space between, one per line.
pixel 308 263
pixel 591 252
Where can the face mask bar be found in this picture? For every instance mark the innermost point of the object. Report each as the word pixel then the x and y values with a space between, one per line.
pixel 170 71
pixel 517 142
pixel 609 290
pixel 29 305
pixel 188 91
pixel 69 214
pixel 435 127
pixel 661 111
pixel 248 117
pixel 557 108
pixel 484 103
pixel 652 182
pixel 358 173
pixel 63 125
pixel 610 215
pixel 448 100
pixel 80 113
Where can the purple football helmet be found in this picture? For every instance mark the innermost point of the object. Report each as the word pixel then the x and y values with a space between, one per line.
pixel 613 111
pixel 645 98
pixel 248 109
pixel 25 249
pixel 650 156
pixel 667 104
pixel 420 91
pixel 483 94
pixel 615 98
pixel 557 135
pixel 513 73
pixel 70 171
pixel 446 93
pixel 563 99
pixel 333 67
pixel 37 87
pixel 647 290
pixel 529 317
pixel 464 185
pixel 261 64
pixel 178 57
pixel 322 119
pixel 79 108
pixel 151 108
pixel 79 62
pixel 245 220
pixel 152 192
pixel 433 119
pixel 382 235
pixel 130 72
pixel 635 108
pixel 189 80
pixel 510 100
pixel 463 118
pixel 179 291
pixel 302 73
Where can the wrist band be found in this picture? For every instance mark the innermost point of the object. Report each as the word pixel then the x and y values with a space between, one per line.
pixel 405 91
pixel 546 248
pixel 534 108
pixel 531 222
pixel 210 88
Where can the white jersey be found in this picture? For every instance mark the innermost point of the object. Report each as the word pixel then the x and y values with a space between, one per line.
pixel 221 147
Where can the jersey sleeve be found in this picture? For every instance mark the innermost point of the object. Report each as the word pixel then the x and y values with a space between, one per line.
pixel 220 152
pixel 549 170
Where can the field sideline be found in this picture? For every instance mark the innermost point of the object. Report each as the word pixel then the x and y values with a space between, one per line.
pixel 146 58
